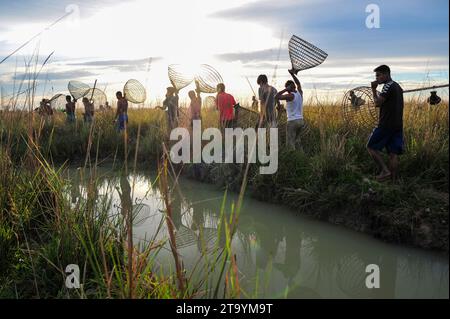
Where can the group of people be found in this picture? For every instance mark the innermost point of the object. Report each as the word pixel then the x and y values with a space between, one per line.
pixel 387 135
pixel 89 109
pixel 268 99
pixel 45 108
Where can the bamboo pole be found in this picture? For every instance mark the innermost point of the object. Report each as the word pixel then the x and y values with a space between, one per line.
pixel 426 88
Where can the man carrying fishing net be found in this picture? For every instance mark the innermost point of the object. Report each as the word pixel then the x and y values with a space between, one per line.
pixel 293 95
pixel 122 111
pixel 70 109
pixel 389 132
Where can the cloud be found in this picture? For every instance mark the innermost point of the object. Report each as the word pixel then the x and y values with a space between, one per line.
pixel 48 10
pixel 407 27
pixel 253 56
pixel 117 63
pixel 56 76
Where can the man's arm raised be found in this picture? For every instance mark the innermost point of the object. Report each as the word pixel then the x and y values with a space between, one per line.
pixel 296 80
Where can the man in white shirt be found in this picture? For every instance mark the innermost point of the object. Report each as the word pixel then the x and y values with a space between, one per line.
pixel 293 95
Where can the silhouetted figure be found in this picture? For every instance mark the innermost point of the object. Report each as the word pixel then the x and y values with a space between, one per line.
pixel 70 109
pixel 171 105
pixel 267 101
pixel 389 132
pixel 434 99
pixel 88 110
pixel 122 111
pixel 355 100
pixel 196 104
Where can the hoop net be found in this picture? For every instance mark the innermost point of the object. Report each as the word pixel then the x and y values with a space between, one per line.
pixel 134 92
pixel 180 76
pixel 58 101
pixel 97 97
pixel 304 55
pixel 78 89
pixel 208 78
pixel 359 109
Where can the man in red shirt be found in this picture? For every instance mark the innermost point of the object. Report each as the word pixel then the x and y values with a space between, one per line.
pixel 225 104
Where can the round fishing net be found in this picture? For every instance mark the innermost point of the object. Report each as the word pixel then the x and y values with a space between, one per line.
pixel 98 97
pixel 358 108
pixel 246 118
pixel 78 89
pixel 58 102
pixel 180 76
pixel 134 91
pixel 208 78
pixel 304 55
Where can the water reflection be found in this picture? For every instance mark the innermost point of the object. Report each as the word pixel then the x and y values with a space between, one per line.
pixel 284 255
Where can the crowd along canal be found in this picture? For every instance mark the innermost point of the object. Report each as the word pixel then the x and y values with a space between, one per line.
pixel 279 253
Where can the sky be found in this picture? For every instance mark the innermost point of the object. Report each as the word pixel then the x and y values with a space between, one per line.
pixel 112 41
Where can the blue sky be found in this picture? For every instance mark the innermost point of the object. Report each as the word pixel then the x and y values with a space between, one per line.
pixel 115 39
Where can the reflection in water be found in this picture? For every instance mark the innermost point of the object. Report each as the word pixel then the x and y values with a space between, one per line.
pixel 125 195
pixel 283 254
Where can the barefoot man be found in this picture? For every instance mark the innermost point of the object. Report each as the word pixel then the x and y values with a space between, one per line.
pixel 389 132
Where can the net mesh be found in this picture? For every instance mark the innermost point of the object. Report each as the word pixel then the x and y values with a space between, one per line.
pixel 58 102
pixel 358 108
pixel 304 55
pixel 134 91
pixel 208 78
pixel 180 76
pixel 246 118
pixel 97 96
pixel 78 89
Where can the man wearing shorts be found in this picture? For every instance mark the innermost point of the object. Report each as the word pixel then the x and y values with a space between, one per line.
pixel 122 111
pixel 389 132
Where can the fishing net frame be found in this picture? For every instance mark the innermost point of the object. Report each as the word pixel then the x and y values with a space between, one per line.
pixel 363 115
pixel 97 97
pixel 208 78
pixel 58 101
pixel 78 89
pixel 134 91
pixel 304 55
pixel 178 77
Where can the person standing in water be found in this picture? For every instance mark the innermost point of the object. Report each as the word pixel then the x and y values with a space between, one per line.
pixel 293 95
pixel 122 111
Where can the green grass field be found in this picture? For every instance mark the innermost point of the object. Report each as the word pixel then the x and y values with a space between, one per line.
pixel 332 179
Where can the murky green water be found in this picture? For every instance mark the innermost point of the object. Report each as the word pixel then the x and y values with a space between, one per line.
pixel 279 254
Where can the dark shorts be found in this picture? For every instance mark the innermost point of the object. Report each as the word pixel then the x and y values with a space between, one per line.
pixel 383 138
pixel 123 118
